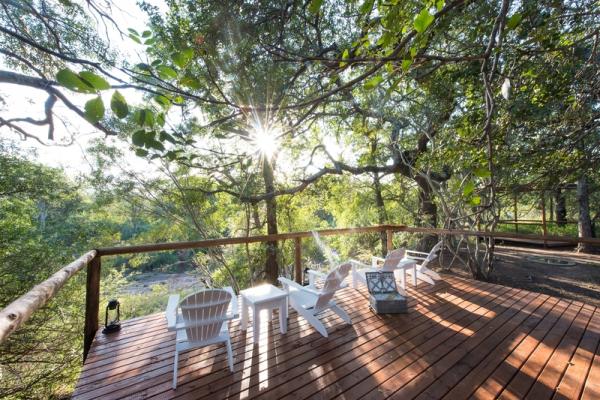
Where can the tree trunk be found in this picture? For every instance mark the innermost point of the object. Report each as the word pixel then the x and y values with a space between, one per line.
pixel 381 214
pixel 427 216
pixel 585 222
pixel 271 266
pixel 561 207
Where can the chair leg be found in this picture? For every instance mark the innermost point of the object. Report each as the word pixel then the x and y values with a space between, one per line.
pixel 175 366
pixel 425 277
pixel 341 313
pixel 229 354
pixel 430 273
pixel 318 325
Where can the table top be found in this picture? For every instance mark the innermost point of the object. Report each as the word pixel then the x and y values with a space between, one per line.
pixel 262 293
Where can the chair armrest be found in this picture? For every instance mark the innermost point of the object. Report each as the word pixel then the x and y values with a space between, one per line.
pixel 234 308
pixel 316 273
pixel 313 275
pixel 405 263
pixel 171 311
pixel 408 252
pixel 290 283
pixel 358 263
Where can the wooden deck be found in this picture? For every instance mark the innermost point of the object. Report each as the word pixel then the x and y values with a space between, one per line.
pixel 461 339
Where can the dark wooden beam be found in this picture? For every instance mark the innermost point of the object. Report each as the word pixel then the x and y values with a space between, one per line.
pixel 92 304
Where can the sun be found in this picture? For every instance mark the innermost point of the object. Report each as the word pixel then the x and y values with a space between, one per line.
pixel 265 140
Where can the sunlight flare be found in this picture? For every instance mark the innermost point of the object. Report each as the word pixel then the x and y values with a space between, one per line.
pixel 265 140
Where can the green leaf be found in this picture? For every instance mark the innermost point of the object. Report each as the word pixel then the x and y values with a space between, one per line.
pixel 190 82
pixel 160 119
pixel 143 67
pixel 514 21
pixel 150 41
pixel 475 201
pixel 183 57
pixel 166 72
pixel 144 117
pixel 373 82
pixel 345 56
pixel 135 39
pixel 439 5
pixel 482 172
pixel 315 6
pixel 423 20
pixel 97 82
pixel 139 138
pixel 118 105
pixel 469 189
pixel 141 152
pixel 72 81
pixel 406 63
pixel 366 7
pixel 163 101
pixel 94 110
pixel 155 144
pixel 164 136
pixel 146 34
pixel 133 31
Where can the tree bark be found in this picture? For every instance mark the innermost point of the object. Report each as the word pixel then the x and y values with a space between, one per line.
pixel 561 207
pixel 585 222
pixel 427 214
pixel 271 265
pixel 381 213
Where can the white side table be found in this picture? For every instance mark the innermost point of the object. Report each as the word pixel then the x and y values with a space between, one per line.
pixel 263 297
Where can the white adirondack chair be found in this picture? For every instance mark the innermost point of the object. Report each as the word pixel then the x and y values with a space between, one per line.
pixel 423 259
pixel 309 301
pixel 201 319
pixel 394 261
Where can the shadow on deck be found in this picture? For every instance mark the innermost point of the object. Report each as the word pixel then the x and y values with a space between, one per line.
pixel 460 339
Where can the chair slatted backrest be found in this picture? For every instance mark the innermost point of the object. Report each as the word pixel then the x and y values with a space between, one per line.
pixel 392 259
pixel 333 282
pixel 204 313
pixel 433 254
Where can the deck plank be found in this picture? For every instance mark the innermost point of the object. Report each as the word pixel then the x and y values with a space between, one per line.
pixel 495 377
pixel 571 384
pixel 461 338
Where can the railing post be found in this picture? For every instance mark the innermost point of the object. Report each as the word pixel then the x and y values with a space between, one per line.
pixel 298 260
pixel 516 211
pixel 544 225
pixel 389 239
pixel 92 304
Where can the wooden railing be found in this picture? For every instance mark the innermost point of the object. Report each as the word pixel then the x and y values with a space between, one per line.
pixel 19 311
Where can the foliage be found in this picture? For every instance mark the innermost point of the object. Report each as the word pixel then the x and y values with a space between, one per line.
pixel 431 113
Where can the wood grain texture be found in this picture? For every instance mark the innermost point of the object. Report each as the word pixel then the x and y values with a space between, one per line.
pixel 461 339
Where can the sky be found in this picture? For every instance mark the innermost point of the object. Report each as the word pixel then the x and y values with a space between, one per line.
pixel 21 101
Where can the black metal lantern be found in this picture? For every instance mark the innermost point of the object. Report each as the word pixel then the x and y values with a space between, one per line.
pixel 305 280
pixel 114 325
